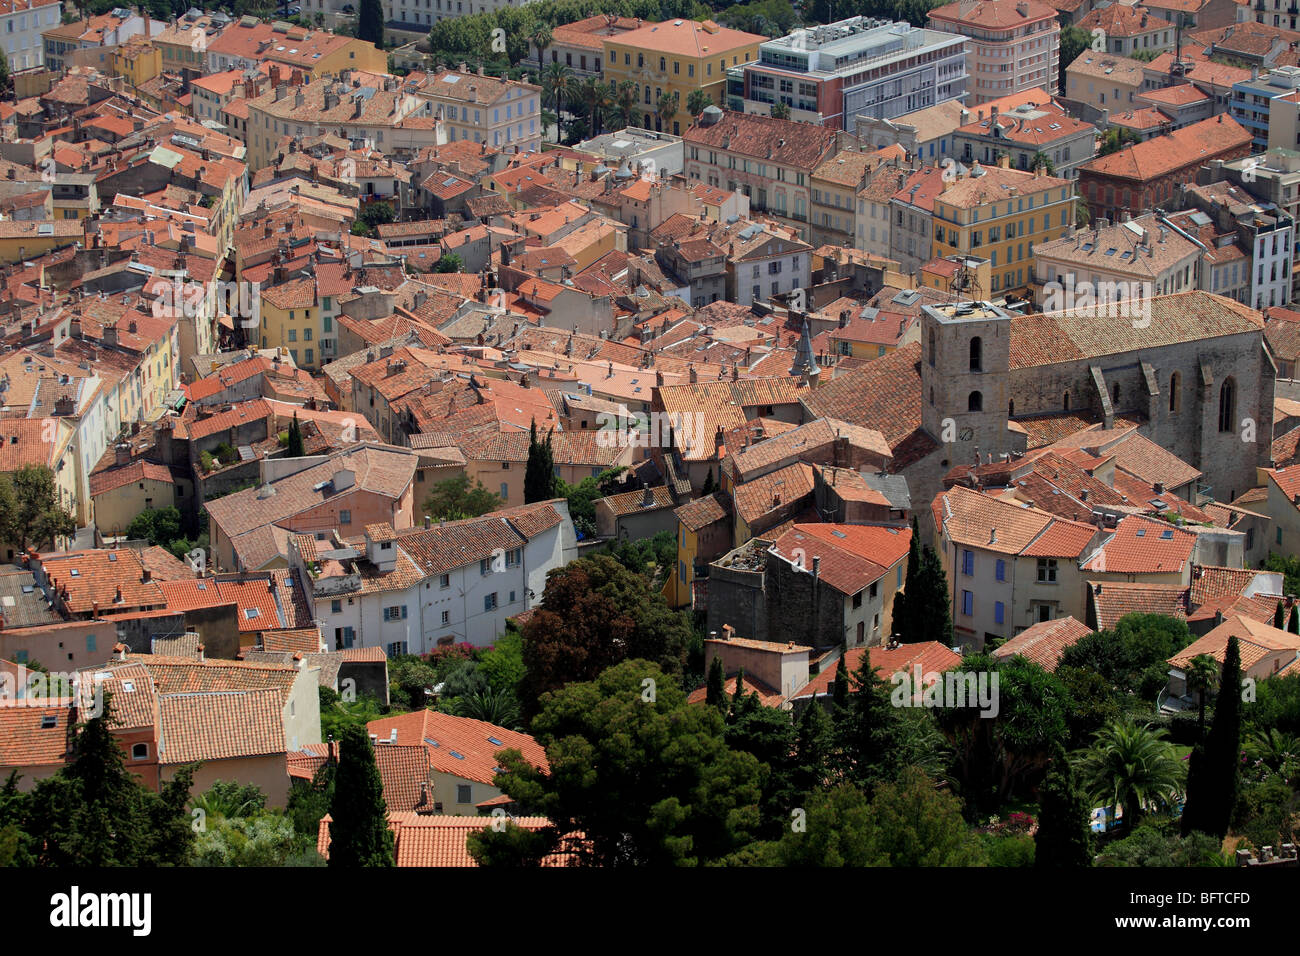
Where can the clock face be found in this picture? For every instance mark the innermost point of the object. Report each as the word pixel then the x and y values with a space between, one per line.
pixel 966 434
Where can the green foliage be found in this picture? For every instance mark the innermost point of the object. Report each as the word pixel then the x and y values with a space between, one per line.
pixel 30 513
pixel 308 804
pixel 780 111
pixel 1073 41
pixel 646 777
pixel 359 834
pixel 716 693
pixel 593 614
pixel 654 557
pixel 928 606
pixel 1133 766
pixel 1150 846
pixel 768 735
pixel 158 526
pixel 4 73
pixel 226 798
pixel 295 445
pixel 770 18
pixel 500 707
pixel 540 481
pixel 503 663
pixel 1063 839
pixel 996 757
pixel 1289 566
pixel 867 744
pixel 451 262
pixel 1214 773
pixel 408 679
pixel 1123 655
pixel 454 499
pixel 376 214
pixel 1009 850
pixel 1093 703
pixel 336 714
pixel 1116 138
pixel 1268 813
pixel 259 839
pixel 370 22
pixel 95 813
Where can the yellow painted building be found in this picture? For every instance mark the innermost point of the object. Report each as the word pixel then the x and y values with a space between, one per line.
pixel 679 56
pixel 28 239
pixel 999 214
pixel 138 60
pixel 290 320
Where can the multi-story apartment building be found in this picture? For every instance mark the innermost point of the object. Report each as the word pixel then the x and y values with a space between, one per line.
pixel 393 119
pixel 860 66
pixel 502 113
pixel 1252 105
pixel 92 33
pixel 1138 178
pixel 1127 30
pixel 669 61
pixel 184 44
pixel 411 591
pixel 835 187
pixel 248 41
pixel 1026 136
pixel 911 211
pixel 1002 213
pixel 1015 44
pixel 581 46
pixel 771 161
pixel 1267 232
pixel 1138 258
pixel 21 23
pixel 1272 178
pixel 1105 81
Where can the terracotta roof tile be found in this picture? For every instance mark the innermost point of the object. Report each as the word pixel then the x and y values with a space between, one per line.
pixel 1044 642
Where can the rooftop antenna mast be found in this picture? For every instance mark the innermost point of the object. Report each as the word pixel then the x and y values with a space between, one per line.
pixel 1179 68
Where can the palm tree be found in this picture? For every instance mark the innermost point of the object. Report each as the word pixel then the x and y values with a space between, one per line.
pixel 781 110
pixel 697 102
pixel 1132 766
pixel 541 38
pixel 595 100
pixel 666 108
pixel 1276 751
pixel 1201 675
pixel 557 80
pixel 625 103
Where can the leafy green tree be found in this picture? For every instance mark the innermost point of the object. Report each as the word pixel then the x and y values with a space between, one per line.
pixel 929 608
pixel 454 499
pixel 918 825
pixel 409 679
pixel 370 22
pixel 1122 656
pixel 840 683
pixel 359 834
pixel 1132 766
pixel 1289 566
pixel 95 813
pixel 1093 703
pixel 769 735
pixel 780 110
pixel 867 731
pixel 1117 138
pixel 451 262
pixel 503 663
pixel 226 798
pixel 593 614
pixel 558 83
pixel 839 831
pixel 158 526
pixel 1074 40
pixel 716 692
pixel 5 78
pixel 296 449
pixel 1214 772
pixel 647 778
pixel 376 213
pixel 813 745
pixel 309 802
pixel 998 755
pixel 1063 837
pixel 262 839
pixel 30 513
pixel 1149 847
pixel 540 482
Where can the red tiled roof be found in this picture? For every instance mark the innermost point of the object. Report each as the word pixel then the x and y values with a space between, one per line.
pixel 1117 600
pixel 932 656
pixel 1044 642
pixel 1141 545
pixel 459 746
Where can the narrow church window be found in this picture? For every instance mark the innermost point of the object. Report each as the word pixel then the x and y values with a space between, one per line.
pixel 932 347
pixel 1227 406
pixel 1011 408
pixel 976 354
pixel 932 395
pixel 1114 393
pixel 975 403
pixel 1066 403
pixel 1175 381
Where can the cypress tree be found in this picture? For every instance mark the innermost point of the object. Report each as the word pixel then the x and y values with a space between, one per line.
pixel 740 688
pixel 867 732
pixel 929 607
pixel 708 484
pixel 840 686
pixel 1063 835
pixel 904 619
pixel 1279 617
pixel 716 693
pixel 1294 624
pixel 539 473
pixel 1213 781
pixel 813 749
pixel 296 449
pixel 370 22
pixel 359 834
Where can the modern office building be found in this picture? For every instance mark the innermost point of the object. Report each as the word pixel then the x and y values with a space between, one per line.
pixel 830 74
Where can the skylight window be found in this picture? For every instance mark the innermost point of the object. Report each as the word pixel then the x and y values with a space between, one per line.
pixel 1167 535
pixel 49 721
pixel 112 556
pixel 493 740
pixel 456 755
pixel 1141 532
pixel 251 612
pixel 430 741
pixel 76 573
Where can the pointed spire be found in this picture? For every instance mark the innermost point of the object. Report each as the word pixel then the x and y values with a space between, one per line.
pixel 804 363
